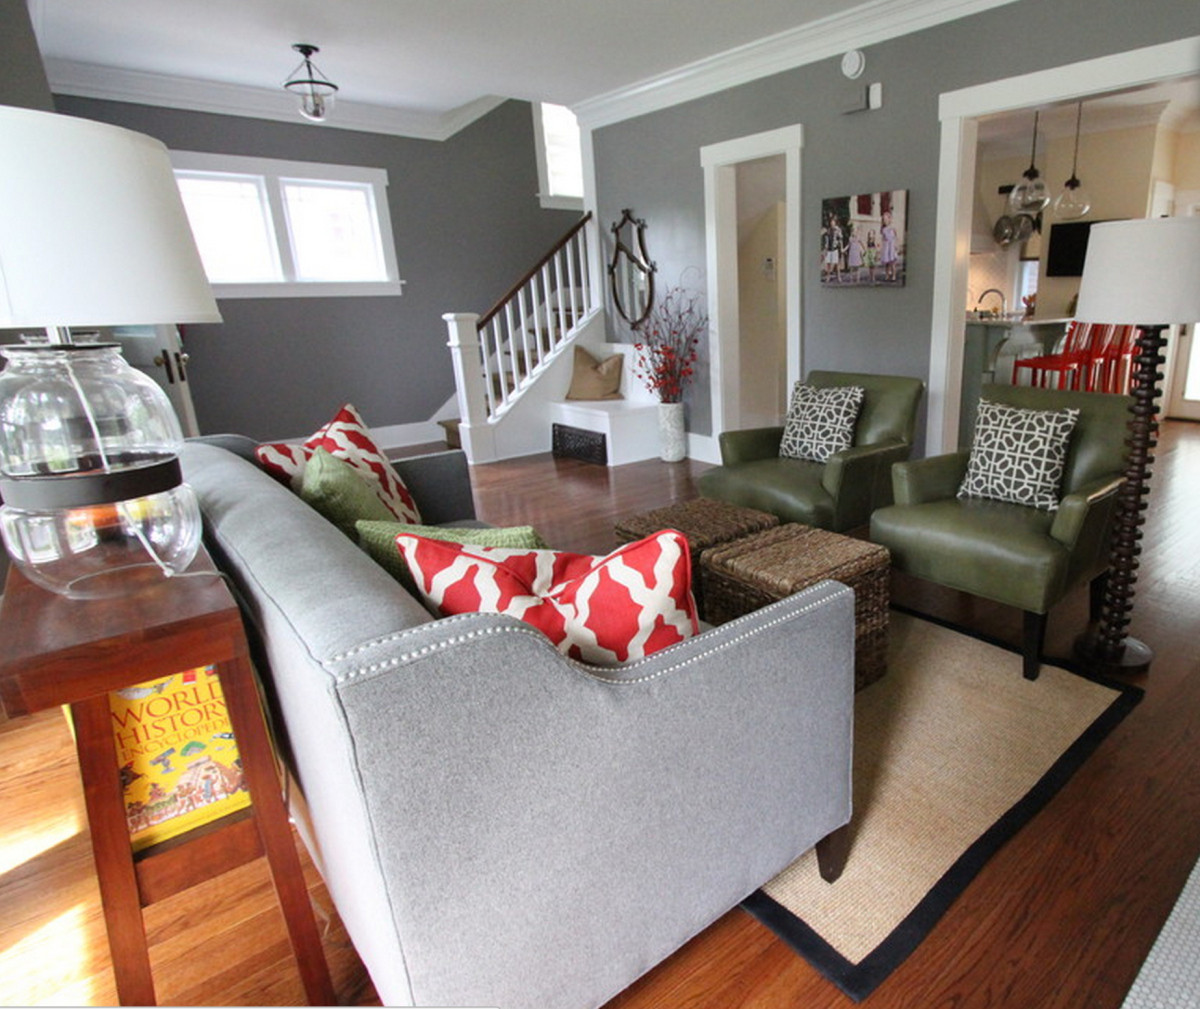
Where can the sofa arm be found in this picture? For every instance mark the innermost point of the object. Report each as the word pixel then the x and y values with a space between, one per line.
pixel 1083 516
pixel 526 808
pixel 750 444
pixel 932 479
pixel 857 479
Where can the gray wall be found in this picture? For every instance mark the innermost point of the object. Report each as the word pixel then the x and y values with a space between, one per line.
pixel 652 163
pixel 22 76
pixel 467 225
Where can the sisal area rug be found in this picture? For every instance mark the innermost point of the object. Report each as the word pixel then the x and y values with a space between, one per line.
pixel 954 752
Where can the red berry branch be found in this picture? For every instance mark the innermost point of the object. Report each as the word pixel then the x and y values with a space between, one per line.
pixel 670 336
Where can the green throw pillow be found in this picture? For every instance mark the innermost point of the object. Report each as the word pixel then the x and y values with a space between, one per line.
pixel 379 540
pixel 335 489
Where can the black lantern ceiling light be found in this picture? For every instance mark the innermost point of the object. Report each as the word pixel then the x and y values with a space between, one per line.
pixel 315 91
pixel 1073 203
pixel 1029 196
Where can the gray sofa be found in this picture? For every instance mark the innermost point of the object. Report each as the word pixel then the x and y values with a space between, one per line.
pixel 499 825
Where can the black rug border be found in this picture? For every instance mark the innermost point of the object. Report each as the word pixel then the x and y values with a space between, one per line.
pixel 859 980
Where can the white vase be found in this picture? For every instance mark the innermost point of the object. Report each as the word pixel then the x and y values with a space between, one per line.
pixel 672 437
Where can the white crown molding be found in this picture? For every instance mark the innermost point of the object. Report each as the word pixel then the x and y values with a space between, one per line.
pixel 864 25
pixel 85 80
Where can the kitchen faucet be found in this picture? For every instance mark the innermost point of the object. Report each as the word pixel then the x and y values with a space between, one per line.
pixel 993 290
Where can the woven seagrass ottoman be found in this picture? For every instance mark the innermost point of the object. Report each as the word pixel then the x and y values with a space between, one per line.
pixel 756 570
pixel 704 521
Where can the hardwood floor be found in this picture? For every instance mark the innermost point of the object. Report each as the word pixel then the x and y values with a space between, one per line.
pixel 1061 917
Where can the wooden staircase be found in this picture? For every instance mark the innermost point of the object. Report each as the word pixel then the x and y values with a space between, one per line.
pixel 500 356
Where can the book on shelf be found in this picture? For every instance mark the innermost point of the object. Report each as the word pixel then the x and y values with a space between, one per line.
pixel 178 758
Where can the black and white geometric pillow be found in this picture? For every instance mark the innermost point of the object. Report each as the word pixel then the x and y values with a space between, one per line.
pixel 820 422
pixel 1018 455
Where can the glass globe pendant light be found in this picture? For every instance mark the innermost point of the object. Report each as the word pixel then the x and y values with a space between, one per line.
pixel 1029 196
pixel 315 91
pixel 1073 203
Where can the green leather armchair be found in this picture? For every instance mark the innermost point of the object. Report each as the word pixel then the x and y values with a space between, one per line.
pixel 1012 554
pixel 840 493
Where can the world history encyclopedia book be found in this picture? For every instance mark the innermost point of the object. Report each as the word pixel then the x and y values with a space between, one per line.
pixel 178 758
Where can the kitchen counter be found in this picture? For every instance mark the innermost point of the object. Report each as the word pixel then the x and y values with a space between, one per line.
pixel 1008 321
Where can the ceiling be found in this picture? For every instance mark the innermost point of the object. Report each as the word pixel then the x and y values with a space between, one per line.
pixel 428 67
pixel 1175 104
pixel 423 56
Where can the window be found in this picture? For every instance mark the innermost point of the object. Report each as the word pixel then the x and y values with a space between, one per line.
pixel 288 229
pixel 1027 281
pixel 560 157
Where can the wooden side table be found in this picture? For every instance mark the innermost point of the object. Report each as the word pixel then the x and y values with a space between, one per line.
pixel 55 651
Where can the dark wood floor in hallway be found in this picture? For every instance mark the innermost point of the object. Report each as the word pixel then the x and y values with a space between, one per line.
pixel 1061 918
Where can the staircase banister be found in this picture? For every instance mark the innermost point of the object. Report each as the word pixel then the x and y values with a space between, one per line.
pixel 520 284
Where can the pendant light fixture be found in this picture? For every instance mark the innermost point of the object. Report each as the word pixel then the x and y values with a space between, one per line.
pixel 1030 194
pixel 1073 203
pixel 315 91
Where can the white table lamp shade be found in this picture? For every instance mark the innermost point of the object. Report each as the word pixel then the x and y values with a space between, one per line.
pixel 1142 272
pixel 92 228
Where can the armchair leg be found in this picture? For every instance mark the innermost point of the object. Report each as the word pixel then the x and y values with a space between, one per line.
pixel 1035 639
pixel 832 851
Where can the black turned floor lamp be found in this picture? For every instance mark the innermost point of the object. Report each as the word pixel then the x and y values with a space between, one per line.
pixel 1144 273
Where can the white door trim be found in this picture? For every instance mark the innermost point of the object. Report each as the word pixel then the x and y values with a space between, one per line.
pixel 958 111
pixel 720 226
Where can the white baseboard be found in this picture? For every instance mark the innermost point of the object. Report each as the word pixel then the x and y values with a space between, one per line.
pixel 403 435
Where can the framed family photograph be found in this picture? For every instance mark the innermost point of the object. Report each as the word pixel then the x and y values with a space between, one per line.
pixel 863 239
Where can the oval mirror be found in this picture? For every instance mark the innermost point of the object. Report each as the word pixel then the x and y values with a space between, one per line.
pixel 631 274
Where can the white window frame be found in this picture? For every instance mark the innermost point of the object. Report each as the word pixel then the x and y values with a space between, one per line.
pixel 548 200
pixel 274 171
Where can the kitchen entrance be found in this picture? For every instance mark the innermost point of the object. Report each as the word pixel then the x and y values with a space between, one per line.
pixel 964 115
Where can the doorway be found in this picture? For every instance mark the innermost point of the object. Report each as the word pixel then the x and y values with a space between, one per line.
pixel 959 112
pixel 762 303
pixel 752 234
pixel 1183 395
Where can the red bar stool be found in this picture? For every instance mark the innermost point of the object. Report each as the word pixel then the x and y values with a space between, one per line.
pixel 1113 365
pixel 1069 364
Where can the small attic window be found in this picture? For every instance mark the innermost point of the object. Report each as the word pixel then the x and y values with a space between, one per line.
pixel 559 157
pixel 284 229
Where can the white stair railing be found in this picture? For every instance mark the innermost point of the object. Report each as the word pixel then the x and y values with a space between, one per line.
pixel 497 356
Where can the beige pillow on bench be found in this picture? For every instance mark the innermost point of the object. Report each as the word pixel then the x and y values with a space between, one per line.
pixel 592 379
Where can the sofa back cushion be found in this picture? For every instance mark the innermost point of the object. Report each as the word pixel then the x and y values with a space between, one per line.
pixel 298 577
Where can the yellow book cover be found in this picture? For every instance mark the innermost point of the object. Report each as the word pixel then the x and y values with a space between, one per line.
pixel 178 758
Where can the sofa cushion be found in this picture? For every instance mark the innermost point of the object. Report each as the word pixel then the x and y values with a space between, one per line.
pixel 340 492
pixel 379 540
pixel 1018 455
pixel 603 610
pixel 595 379
pixel 820 422
pixel 346 437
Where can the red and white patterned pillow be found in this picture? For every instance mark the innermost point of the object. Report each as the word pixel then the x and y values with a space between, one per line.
pixel 602 610
pixel 347 437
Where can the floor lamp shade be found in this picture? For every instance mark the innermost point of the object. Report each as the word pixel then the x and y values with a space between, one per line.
pixel 1143 272
pixel 92 233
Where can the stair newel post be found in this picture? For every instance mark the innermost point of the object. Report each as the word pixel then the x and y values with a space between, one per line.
pixel 466 354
